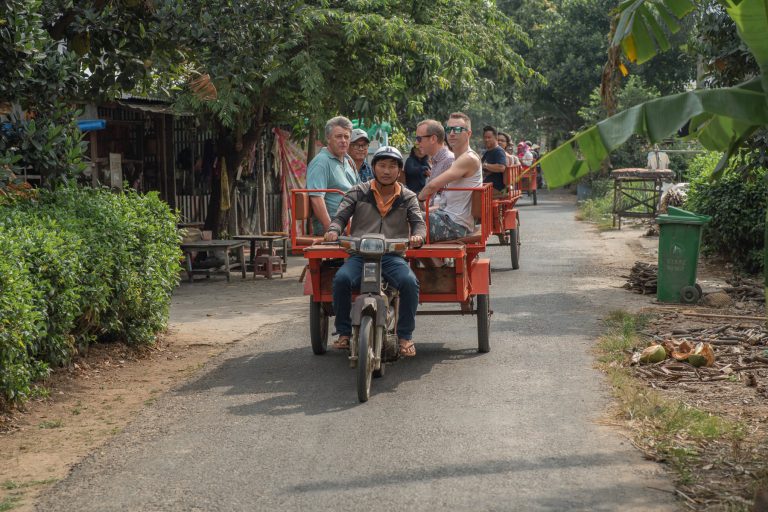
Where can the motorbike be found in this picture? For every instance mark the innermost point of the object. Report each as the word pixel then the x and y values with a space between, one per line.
pixel 374 311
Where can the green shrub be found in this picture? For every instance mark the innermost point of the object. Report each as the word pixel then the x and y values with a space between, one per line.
pixel 80 265
pixel 737 205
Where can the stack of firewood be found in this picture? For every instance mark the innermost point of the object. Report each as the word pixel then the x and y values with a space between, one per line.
pixel 743 289
pixel 642 278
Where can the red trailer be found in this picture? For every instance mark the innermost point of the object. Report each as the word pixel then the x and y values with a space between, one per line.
pixel 463 277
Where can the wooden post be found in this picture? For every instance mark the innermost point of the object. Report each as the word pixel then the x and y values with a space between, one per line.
pixel 94 156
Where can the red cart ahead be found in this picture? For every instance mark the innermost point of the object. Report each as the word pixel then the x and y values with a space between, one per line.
pixel 464 278
pixel 528 181
pixel 506 218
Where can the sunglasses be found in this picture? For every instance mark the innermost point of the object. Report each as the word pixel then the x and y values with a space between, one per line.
pixel 359 146
pixel 456 129
pixel 419 138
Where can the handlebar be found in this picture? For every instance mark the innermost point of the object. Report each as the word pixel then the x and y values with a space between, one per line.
pixel 372 245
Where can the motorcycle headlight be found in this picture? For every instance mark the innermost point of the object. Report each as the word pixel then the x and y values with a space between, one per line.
pixel 372 246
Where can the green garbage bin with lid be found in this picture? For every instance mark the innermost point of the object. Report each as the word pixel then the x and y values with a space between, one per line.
pixel 679 242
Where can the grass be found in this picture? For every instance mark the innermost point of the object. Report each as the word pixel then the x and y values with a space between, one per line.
pixel 57 423
pixel 10 485
pixel 598 211
pixel 672 430
pixel 17 493
pixel 9 503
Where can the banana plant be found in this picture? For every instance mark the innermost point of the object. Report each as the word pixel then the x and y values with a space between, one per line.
pixel 720 119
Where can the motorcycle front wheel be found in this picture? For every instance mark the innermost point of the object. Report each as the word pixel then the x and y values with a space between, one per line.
pixel 365 359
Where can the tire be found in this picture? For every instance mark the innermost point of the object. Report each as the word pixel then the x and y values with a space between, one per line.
pixel 690 295
pixel 483 324
pixel 377 374
pixel 514 247
pixel 535 199
pixel 364 359
pixel 318 327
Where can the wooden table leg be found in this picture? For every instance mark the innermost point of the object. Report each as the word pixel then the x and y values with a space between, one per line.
pixel 242 259
pixel 285 254
pixel 189 265
pixel 226 261
pixel 253 252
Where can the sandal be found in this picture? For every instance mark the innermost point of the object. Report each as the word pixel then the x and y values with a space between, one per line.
pixel 342 343
pixel 407 348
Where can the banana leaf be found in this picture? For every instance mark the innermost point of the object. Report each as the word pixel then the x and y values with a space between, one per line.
pixel 719 118
pixel 643 25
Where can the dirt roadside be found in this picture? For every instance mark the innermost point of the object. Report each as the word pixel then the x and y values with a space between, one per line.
pixel 102 391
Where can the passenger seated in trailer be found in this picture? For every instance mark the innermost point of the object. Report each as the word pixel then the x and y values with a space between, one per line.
pixel 331 168
pixel 494 160
pixel 384 206
pixel 452 219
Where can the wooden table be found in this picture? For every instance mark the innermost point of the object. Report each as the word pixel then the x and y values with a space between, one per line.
pixel 213 245
pixel 270 240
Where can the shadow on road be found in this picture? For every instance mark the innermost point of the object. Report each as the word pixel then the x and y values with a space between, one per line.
pixel 479 469
pixel 295 381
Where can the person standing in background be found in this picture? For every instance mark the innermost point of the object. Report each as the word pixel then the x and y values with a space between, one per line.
pixel 417 169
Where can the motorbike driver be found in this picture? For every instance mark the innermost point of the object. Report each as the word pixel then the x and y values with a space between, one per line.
pixel 384 206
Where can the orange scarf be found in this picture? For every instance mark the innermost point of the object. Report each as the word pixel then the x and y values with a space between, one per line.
pixel 385 206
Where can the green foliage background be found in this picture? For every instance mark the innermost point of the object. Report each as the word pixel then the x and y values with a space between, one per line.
pixel 80 265
pixel 737 204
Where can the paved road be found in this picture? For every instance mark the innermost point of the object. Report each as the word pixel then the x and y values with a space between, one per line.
pixel 269 426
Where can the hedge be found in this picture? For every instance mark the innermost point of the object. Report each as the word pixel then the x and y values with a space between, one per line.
pixel 737 204
pixel 80 265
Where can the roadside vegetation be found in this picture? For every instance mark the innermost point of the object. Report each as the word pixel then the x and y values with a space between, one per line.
pixel 737 204
pixel 79 265
pixel 707 451
pixel 598 207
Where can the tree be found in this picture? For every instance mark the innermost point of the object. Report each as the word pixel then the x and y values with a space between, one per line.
pixel 276 62
pixel 633 92
pixel 721 119
pixel 57 53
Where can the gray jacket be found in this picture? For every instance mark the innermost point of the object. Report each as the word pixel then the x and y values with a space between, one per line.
pixel 404 219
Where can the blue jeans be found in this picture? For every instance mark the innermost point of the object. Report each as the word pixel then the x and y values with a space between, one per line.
pixel 395 270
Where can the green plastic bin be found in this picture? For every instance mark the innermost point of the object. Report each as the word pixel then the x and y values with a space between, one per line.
pixel 679 241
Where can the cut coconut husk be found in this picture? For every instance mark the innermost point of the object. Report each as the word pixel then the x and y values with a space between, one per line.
pixel 653 354
pixel 705 350
pixel 682 351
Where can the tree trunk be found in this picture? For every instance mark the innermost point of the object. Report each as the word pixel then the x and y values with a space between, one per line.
pixel 311 143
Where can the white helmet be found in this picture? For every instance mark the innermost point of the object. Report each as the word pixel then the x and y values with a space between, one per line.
pixel 388 152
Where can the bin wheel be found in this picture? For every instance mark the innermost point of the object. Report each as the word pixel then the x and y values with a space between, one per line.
pixel 698 287
pixel 483 324
pixel 690 295
pixel 318 327
pixel 535 199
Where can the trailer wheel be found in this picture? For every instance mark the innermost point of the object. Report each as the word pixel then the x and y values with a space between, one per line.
pixel 483 324
pixel 318 327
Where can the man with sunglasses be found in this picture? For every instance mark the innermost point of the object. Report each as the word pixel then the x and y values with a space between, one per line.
pixel 453 218
pixel 430 138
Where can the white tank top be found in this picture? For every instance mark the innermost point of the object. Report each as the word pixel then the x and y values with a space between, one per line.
pixel 458 203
